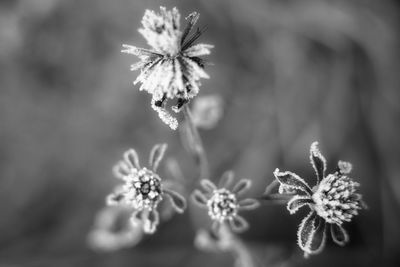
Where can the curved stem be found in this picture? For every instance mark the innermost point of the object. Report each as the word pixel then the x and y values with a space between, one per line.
pixel 196 144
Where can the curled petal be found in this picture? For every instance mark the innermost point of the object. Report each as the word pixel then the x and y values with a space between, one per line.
pixel 121 169
pixel 241 186
pixel 292 181
pixel 319 238
pixel 339 234
pixel 317 161
pixel 248 204
pixel 208 185
pixel 238 224
pixel 345 167
pixel 150 221
pixel 226 179
pixel 199 198
pixel 177 200
pixel 296 202
pixel 306 232
pixel 156 155
pixel 132 158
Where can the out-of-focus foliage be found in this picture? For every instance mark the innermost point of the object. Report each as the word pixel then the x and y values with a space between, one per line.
pixel 289 72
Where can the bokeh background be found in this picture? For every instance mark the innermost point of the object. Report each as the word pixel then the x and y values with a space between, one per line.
pixel 290 72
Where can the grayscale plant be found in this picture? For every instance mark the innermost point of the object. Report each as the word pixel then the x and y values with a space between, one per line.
pixel 223 204
pixel 333 201
pixel 172 67
pixel 143 189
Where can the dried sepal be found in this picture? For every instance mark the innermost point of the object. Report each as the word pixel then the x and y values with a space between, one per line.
pixel 177 200
pixel 199 198
pixel 208 186
pixel 132 159
pixel 156 155
pixel 296 202
pixel 242 186
pixel 292 181
pixel 121 169
pixel 318 239
pixel 306 232
pixel 238 224
pixel 318 161
pixel 339 234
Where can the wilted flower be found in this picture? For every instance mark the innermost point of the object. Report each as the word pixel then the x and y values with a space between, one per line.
pixel 333 201
pixel 207 111
pixel 143 189
pixel 113 230
pixel 172 67
pixel 223 204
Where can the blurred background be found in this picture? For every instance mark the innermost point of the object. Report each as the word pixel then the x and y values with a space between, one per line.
pixel 289 72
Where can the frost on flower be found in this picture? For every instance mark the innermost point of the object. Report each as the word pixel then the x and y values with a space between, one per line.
pixel 223 203
pixel 332 201
pixel 172 67
pixel 143 189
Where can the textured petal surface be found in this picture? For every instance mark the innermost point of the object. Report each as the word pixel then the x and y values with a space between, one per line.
pixel 292 181
pixel 317 161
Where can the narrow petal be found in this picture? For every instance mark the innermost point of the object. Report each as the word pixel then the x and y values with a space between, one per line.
pixel 198 50
pixel 150 221
pixel 296 202
pixel 248 204
pixel 306 232
pixel 345 167
pixel 339 234
pixel 319 238
pixel 292 181
pixel 177 200
pixel 238 224
pixel 121 170
pixel 156 155
pixel 226 179
pixel 132 158
pixel 241 186
pixel 199 198
pixel 317 161
pixel 208 185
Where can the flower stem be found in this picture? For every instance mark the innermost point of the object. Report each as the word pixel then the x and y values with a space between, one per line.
pixel 195 144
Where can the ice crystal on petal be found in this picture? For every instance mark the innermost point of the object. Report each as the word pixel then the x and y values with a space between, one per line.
pixel 333 200
pixel 172 67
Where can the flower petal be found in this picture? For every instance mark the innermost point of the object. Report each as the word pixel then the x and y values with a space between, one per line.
pixel 317 161
pixel 116 198
pixel 132 158
pixel 121 169
pixel 319 238
pixel 292 181
pixel 339 234
pixel 345 167
pixel 226 179
pixel 241 186
pixel 208 185
pixel 198 50
pixel 156 155
pixel 238 224
pixel 306 232
pixel 150 221
pixel 199 198
pixel 296 202
pixel 248 204
pixel 177 200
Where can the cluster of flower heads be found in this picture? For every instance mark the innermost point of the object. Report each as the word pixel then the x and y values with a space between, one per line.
pixel 223 203
pixel 143 189
pixel 332 201
pixel 172 67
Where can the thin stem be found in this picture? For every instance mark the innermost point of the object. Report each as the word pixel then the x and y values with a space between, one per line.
pixel 196 144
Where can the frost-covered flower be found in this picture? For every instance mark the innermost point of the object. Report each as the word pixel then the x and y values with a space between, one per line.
pixel 207 111
pixel 172 67
pixel 223 204
pixel 113 230
pixel 143 189
pixel 333 201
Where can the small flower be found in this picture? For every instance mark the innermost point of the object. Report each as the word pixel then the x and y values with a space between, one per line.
pixel 112 230
pixel 143 188
pixel 172 67
pixel 207 111
pixel 223 204
pixel 333 201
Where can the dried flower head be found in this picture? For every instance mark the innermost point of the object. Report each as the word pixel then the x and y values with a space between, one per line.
pixel 143 189
pixel 333 200
pixel 207 111
pixel 112 230
pixel 223 204
pixel 172 67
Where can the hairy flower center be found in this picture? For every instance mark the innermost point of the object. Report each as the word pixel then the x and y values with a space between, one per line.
pixel 335 199
pixel 144 189
pixel 222 205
